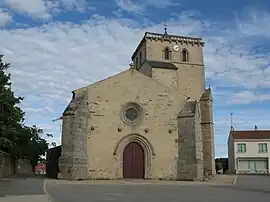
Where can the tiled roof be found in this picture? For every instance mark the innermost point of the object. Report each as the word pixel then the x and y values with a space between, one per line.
pixel 251 134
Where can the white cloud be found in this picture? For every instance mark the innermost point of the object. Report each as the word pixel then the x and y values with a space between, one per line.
pixel 252 26
pixel 247 97
pixel 162 3
pixel 130 6
pixel 5 17
pixel 77 5
pixel 39 111
pixel 242 120
pixel 44 9
pixel 139 7
pixel 34 8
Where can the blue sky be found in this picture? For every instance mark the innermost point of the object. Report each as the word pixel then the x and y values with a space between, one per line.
pixel 56 46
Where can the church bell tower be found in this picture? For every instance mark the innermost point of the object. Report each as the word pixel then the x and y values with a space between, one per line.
pixel 175 61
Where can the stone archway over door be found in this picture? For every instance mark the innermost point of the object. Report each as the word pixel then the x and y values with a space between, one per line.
pixel 133 161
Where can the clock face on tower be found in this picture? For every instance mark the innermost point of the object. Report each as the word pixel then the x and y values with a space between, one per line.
pixel 175 47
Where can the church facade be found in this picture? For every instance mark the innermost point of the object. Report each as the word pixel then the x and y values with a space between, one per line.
pixel 152 121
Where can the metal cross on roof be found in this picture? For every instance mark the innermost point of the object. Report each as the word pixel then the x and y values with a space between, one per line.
pixel 165 27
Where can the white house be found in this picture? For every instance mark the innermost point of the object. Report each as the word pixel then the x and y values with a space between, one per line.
pixel 248 151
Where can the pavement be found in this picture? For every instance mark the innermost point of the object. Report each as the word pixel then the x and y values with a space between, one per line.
pixel 22 189
pixel 221 189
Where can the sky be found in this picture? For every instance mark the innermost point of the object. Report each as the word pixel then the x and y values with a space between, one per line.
pixel 56 46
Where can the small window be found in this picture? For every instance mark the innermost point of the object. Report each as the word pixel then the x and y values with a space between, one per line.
pixel 167 54
pixel 241 147
pixel 136 63
pixel 262 147
pixel 140 58
pixel 184 55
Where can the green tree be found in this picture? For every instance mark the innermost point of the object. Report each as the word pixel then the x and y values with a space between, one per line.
pixel 11 115
pixel 35 146
pixel 15 137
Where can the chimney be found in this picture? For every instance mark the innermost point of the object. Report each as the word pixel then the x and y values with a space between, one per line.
pixel 256 128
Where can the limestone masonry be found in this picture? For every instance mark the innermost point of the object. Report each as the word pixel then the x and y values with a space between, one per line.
pixel 152 121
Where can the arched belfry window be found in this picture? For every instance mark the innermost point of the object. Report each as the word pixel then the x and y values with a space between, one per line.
pixel 184 55
pixel 167 53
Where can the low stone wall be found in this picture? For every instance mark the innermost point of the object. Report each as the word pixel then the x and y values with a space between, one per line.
pixel 23 167
pixel 9 165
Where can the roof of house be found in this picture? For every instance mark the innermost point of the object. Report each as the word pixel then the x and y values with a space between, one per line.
pixel 251 134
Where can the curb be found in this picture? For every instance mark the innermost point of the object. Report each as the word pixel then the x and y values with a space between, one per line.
pixel 49 197
pixel 235 180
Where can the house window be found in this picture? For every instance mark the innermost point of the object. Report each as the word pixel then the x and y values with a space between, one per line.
pixel 241 147
pixel 262 147
pixel 136 63
pixel 140 58
pixel 167 54
pixel 184 55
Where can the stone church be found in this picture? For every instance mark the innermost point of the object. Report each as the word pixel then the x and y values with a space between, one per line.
pixel 152 121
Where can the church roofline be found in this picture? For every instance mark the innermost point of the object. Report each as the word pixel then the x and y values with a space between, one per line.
pixel 158 36
pixel 161 36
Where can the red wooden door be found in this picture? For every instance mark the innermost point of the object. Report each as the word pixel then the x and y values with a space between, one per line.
pixel 133 161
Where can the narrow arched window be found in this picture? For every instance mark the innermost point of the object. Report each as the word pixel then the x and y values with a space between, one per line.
pixel 166 54
pixel 184 55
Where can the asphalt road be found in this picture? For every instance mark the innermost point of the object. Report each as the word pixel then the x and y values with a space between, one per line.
pixel 21 186
pixel 246 190
pixel 254 183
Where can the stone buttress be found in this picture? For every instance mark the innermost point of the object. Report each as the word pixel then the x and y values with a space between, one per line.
pixel 207 127
pixel 73 160
pixel 190 155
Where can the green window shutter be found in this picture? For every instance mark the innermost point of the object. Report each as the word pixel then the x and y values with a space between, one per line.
pixel 262 147
pixel 265 147
pixel 241 147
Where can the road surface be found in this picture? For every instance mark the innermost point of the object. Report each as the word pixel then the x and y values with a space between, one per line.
pixel 246 189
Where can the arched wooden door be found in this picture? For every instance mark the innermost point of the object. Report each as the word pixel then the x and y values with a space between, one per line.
pixel 133 161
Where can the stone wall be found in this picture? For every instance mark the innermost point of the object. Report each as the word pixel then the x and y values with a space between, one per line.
pixel 107 128
pixel 9 165
pixel 23 167
pixel 156 128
